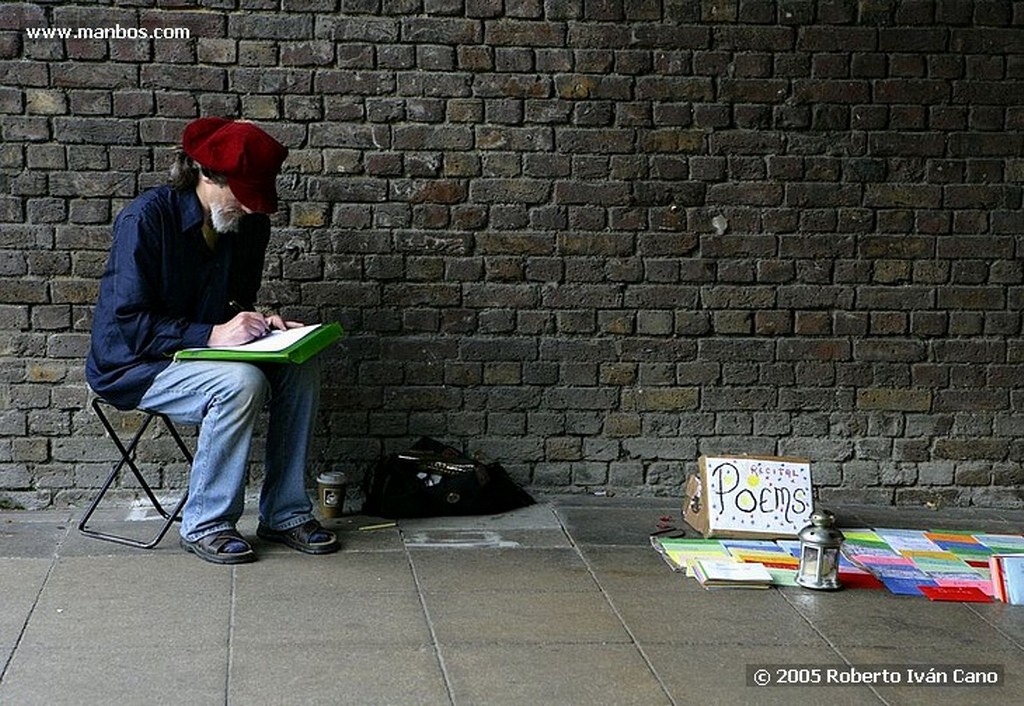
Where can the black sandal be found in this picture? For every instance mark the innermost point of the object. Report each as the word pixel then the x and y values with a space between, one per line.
pixel 224 547
pixel 309 537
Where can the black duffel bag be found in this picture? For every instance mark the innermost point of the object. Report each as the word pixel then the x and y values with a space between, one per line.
pixel 433 479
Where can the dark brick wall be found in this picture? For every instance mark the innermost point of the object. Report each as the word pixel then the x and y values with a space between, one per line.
pixel 590 238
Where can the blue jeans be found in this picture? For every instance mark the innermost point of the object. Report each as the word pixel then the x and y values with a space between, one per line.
pixel 224 399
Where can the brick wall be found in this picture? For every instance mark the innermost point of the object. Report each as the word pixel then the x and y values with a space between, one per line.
pixel 590 238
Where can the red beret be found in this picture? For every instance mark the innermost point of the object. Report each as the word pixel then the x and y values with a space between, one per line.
pixel 247 156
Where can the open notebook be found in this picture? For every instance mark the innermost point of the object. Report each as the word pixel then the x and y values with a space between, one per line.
pixel 296 345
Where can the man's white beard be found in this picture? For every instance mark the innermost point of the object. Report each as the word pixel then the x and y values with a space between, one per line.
pixel 225 220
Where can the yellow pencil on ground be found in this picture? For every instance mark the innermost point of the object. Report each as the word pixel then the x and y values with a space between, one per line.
pixel 383 525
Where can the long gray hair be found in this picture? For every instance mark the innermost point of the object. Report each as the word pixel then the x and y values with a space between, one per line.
pixel 185 173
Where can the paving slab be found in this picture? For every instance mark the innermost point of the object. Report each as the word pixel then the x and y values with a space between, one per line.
pixel 100 603
pixel 57 516
pixel 21 582
pixel 716 675
pixel 532 526
pixel 483 539
pixel 621 526
pixel 328 673
pixel 551 674
pixel 523 617
pixel 1008 620
pixel 691 615
pixel 151 674
pixel 80 545
pixel 301 612
pixel 887 620
pixel 377 538
pixel 532 517
pixel 505 569
pixel 21 538
pixel 624 570
pixel 920 658
pixel 283 573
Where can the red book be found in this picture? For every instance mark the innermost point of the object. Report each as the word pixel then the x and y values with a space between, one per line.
pixel 965 594
pixel 995 567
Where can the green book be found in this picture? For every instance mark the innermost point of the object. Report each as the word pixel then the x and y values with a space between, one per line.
pixel 296 345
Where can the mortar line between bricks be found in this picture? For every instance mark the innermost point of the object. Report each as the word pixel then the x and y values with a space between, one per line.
pixel 435 642
pixel 618 615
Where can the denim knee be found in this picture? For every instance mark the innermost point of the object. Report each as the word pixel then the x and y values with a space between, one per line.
pixel 247 386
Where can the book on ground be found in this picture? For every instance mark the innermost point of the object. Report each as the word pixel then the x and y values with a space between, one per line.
pixel 1007 572
pixel 294 345
pixel 681 553
pixel 731 574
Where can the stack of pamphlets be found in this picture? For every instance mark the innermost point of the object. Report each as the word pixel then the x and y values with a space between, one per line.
pixel 714 573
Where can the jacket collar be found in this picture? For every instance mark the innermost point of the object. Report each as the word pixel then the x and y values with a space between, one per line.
pixel 190 211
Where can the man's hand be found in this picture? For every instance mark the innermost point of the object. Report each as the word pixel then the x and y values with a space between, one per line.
pixel 247 326
pixel 241 329
pixel 278 324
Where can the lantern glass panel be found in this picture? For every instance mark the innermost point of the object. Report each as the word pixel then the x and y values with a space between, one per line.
pixel 829 563
pixel 809 562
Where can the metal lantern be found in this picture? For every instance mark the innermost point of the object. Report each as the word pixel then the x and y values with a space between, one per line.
pixel 819 553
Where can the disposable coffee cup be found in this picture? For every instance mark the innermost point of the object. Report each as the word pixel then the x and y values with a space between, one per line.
pixel 331 493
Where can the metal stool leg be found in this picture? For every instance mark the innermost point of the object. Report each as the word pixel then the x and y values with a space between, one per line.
pixel 127 452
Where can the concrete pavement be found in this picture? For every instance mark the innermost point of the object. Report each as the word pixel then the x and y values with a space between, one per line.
pixel 564 602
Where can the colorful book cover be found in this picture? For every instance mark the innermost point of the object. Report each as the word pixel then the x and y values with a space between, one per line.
pixel 1008 544
pixel 944 563
pixel 680 553
pixel 907 540
pixel 759 551
pixel 962 594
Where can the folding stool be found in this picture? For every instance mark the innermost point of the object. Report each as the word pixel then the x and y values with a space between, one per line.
pixel 127 459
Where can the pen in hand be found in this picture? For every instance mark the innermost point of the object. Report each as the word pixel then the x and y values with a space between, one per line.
pixel 274 321
pixel 243 327
pixel 246 325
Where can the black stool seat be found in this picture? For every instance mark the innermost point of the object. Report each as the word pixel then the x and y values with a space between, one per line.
pixel 127 452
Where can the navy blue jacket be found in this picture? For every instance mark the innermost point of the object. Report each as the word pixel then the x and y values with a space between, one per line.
pixel 164 289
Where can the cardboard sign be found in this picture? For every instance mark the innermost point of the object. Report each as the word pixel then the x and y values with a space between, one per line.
pixel 749 496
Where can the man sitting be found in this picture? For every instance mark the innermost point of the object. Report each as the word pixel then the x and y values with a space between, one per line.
pixel 184 270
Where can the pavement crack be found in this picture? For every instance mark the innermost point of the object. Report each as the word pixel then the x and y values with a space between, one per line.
pixel 28 617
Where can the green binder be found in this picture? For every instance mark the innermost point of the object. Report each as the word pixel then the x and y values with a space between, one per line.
pixel 295 345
